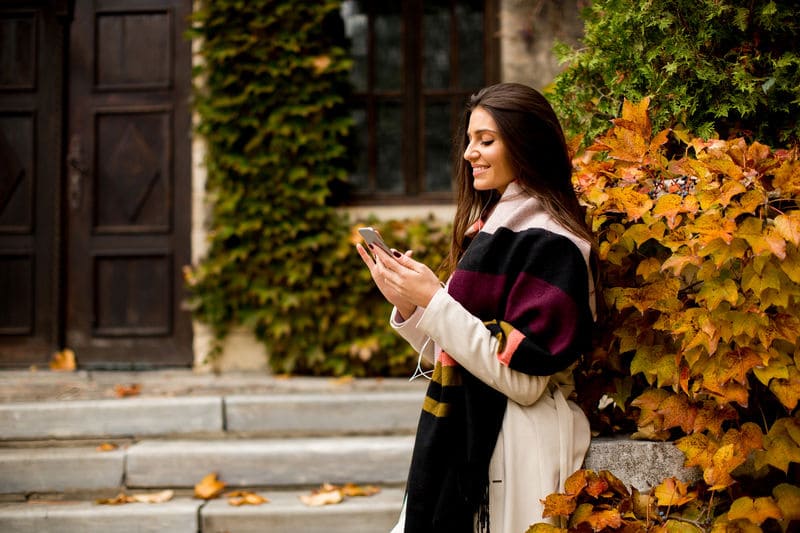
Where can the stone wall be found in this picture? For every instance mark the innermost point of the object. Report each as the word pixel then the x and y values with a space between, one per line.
pixel 528 30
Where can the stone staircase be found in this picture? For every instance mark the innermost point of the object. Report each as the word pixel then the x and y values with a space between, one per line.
pixel 277 437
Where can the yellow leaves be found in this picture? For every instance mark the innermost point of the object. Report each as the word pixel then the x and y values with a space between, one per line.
pixel 670 206
pixel 781 445
pixel 209 487
pixel 329 494
pixel 787 498
pixel 63 361
pixel 787 390
pixel 755 510
pixel 673 492
pixel 788 226
pixel 787 177
pixel 628 201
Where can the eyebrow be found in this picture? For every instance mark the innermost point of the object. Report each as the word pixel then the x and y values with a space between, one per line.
pixel 483 130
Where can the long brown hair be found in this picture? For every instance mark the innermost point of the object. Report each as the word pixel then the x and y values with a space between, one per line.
pixel 537 153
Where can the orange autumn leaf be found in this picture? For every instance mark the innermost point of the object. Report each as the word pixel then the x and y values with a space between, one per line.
pixel 353 490
pixel 724 461
pixel 596 485
pixel 327 494
pixel 238 498
pixel 63 361
pixel 698 449
pixel 598 520
pixel 209 487
pixel 119 499
pixel 559 505
pixel 123 391
pixel 614 483
pixel 575 483
pixel 673 492
pixel 106 447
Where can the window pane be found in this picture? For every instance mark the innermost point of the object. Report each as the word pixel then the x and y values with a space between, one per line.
pixel 437 147
pixel 469 15
pixel 388 47
pixel 356 28
pixel 390 162
pixel 359 179
pixel 436 45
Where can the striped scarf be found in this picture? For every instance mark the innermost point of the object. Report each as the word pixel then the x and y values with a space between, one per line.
pixel 529 285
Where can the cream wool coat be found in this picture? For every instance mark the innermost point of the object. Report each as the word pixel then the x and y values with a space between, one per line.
pixel 544 437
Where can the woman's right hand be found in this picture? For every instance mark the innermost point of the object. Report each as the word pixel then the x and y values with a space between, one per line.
pixel 377 270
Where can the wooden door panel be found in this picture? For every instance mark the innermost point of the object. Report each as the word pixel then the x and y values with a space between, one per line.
pixel 31 88
pixel 133 172
pixel 128 225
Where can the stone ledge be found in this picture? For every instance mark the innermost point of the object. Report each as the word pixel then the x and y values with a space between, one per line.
pixel 640 464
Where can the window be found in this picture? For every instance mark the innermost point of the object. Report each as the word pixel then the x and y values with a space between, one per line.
pixel 416 62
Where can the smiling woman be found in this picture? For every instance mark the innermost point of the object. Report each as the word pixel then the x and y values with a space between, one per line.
pixel 497 433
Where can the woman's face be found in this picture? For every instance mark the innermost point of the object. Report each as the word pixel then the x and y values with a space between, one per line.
pixel 486 153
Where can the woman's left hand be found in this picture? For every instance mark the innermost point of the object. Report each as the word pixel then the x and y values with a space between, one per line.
pixel 411 279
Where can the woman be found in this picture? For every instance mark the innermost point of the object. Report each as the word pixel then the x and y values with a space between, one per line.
pixel 496 434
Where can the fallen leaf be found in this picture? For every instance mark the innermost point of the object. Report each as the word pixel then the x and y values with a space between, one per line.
pixel 119 499
pixel 243 497
pixel 325 495
pixel 122 498
pixel 122 391
pixel 351 490
pixel 107 447
pixel 209 487
pixel 63 361
pixel 156 497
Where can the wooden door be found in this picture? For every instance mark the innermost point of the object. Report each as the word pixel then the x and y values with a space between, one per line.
pixel 32 44
pixel 128 183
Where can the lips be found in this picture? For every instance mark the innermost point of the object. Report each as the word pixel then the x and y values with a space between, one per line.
pixel 476 171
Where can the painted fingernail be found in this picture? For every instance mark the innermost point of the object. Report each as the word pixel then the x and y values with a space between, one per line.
pixel 396 253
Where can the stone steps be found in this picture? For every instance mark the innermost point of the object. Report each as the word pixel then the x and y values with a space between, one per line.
pixel 284 514
pixel 276 437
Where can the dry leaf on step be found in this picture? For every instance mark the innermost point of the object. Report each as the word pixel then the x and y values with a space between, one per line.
pixel 123 391
pixel 326 495
pixel 351 489
pixel 209 487
pixel 119 499
pixel 106 447
pixel 242 497
pixel 156 497
pixel 63 361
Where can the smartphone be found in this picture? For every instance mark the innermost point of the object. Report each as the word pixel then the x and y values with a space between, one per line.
pixel 372 237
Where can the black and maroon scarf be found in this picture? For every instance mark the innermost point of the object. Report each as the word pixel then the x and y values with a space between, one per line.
pixel 531 288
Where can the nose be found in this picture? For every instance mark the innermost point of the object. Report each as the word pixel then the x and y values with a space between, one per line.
pixel 470 154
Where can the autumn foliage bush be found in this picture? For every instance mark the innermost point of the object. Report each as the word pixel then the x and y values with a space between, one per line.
pixel 699 242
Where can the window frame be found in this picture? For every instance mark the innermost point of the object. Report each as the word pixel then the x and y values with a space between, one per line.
pixel 413 98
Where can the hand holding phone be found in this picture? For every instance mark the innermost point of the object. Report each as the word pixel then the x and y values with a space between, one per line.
pixel 372 237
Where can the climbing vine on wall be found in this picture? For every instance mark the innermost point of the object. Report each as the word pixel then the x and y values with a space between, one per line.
pixel 271 90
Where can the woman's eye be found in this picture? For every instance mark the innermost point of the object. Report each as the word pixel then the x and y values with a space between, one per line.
pixel 487 143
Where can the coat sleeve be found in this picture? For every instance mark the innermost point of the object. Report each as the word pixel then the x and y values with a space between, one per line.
pixel 471 344
pixel 409 330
